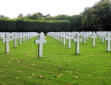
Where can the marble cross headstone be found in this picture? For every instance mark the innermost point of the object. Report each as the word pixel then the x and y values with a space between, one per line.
pixel 77 40
pixel 15 40
pixel 40 41
pixel 93 39
pixel 55 35
pixel 69 40
pixel 3 37
pixel 103 37
pixel 58 35
pixel 26 38
pixel 84 38
pixel 64 38
pixel 20 39
pixel 23 37
pixel 7 36
pixel 108 42
pixel 61 37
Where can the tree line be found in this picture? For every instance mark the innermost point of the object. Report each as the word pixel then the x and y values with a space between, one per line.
pixel 33 25
pixel 95 18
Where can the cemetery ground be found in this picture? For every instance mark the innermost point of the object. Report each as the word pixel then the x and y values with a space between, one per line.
pixel 58 66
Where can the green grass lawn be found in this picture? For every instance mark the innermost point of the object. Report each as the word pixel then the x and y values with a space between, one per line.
pixel 58 66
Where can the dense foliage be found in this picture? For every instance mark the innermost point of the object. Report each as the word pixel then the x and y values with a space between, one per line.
pixel 41 25
pixel 96 18
pixel 7 25
pixel 34 25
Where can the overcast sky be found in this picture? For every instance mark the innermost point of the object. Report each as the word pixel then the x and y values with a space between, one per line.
pixel 12 8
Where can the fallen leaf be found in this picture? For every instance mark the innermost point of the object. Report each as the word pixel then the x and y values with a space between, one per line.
pixel 33 74
pixel 41 76
pixel 6 65
pixel 60 66
pixel 9 61
pixel 17 78
pixel 29 77
pixel 58 76
pixel 70 72
pixel 19 71
pixel 76 77
pixel 33 48
pixel 32 64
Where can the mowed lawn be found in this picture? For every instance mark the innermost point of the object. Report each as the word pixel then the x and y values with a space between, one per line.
pixel 58 66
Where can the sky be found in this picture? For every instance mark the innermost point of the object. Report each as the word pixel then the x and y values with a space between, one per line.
pixel 12 8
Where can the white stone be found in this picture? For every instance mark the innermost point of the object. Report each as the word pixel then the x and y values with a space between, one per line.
pixel 58 37
pixel 15 40
pixel 77 40
pixel 108 42
pixel 64 38
pixel 20 39
pixel 23 37
pixel 84 38
pixel 3 37
pixel 93 39
pixel 40 42
pixel 7 42
pixel 61 37
pixel 103 37
pixel 69 39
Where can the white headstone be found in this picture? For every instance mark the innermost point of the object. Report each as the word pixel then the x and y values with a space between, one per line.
pixel 15 40
pixel 61 37
pixel 3 37
pixel 24 37
pixel 58 35
pixel 77 40
pixel 69 40
pixel 108 42
pixel 84 38
pixel 7 36
pixel 20 39
pixel 40 42
pixel 64 38
pixel 93 39
pixel 103 37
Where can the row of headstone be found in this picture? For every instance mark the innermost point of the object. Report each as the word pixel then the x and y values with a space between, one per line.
pixel 6 37
pixel 62 36
pixel 77 37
